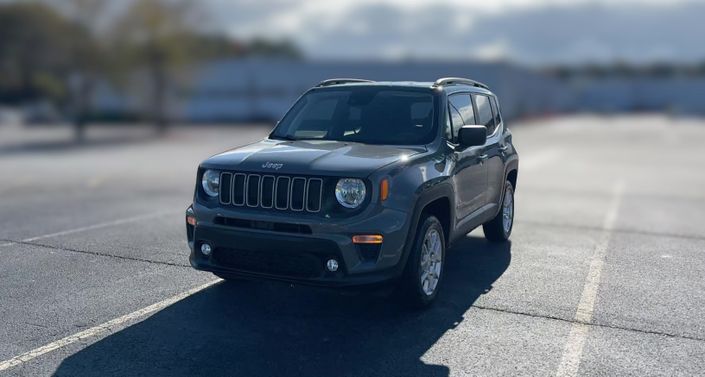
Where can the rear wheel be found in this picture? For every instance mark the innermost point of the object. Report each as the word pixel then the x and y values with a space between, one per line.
pixel 422 277
pixel 500 227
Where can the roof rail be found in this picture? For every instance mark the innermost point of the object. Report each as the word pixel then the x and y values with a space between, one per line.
pixel 459 80
pixel 340 81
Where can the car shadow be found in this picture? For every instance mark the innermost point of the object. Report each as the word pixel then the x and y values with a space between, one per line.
pixel 271 329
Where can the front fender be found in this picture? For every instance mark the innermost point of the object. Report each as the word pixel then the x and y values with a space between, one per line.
pixel 428 193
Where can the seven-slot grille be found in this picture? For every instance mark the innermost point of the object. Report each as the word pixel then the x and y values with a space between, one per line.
pixel 268 191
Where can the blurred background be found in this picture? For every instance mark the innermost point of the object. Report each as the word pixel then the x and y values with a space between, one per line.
pixel 107 108
pixel 72 64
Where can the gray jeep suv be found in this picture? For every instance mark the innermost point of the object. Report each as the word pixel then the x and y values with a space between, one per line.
pixel 360 183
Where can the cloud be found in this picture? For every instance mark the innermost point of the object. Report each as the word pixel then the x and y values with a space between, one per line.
pixel 572 32
pixel 600 33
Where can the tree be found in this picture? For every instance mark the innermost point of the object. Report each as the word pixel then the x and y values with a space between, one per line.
pixel 33 52
pixel 45 55
pixel 153 35
pixel 89 61
pixel 268 48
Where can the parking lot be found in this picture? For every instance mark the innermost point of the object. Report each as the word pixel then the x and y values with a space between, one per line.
pixel 604 275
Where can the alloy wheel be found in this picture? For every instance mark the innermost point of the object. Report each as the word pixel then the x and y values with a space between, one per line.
pixel 431 261
pixel 508 210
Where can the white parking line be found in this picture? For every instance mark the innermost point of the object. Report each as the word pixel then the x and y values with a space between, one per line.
pixel 102 329
pixel 94 226
pixel 570 361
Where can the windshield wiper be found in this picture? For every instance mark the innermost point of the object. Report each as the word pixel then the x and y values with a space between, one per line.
pixel 284 137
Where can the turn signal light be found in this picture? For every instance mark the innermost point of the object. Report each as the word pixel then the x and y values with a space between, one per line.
pixel 368 238
pixel 384 189
pixel 190 216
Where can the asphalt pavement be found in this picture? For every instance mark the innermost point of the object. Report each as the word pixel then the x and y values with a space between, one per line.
pixel 604 274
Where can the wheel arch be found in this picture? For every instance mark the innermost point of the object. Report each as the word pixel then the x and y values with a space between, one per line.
pixel 511 172
pixel 438 200
pixel 441 209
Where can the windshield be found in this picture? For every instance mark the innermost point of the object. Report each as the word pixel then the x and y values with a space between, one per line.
pixel 371 115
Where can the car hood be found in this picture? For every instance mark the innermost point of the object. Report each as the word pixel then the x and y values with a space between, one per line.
pixel 309 157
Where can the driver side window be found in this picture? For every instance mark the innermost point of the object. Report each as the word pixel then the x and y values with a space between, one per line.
pixel 460 112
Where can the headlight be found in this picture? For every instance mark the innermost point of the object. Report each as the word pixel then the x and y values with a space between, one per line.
pixel 350 192
pixel 211 182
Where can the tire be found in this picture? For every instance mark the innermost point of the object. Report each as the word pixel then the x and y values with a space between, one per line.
pixel 424 271
pixel 497 229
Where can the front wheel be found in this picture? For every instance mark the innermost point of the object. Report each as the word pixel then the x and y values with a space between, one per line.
pixel 425 265
pixel 500 227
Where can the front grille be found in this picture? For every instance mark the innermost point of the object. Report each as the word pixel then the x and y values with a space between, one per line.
pixel 269 191
pixel 301 265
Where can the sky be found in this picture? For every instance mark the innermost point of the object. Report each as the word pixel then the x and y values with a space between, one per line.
pixel 539 32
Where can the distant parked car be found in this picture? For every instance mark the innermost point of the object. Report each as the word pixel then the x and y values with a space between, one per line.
pixel 360 183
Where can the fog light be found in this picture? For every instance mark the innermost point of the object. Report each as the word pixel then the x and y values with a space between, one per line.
pixel 332 265
pixel 206 249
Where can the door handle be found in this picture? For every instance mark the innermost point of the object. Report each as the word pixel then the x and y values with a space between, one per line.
pixel 483 157
pixel 503 148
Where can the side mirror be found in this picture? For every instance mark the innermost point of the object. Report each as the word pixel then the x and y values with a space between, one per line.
pixel 470 136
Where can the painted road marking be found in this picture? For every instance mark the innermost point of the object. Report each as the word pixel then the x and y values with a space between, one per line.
pixel 102 329
pixel 570 361
pixel 94 226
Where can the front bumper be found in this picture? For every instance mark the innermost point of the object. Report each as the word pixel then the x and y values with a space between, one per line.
pixel 299 257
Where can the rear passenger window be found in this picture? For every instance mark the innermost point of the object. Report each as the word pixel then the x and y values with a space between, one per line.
pixel 495 110
pixel 484 113
pixel 461 113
